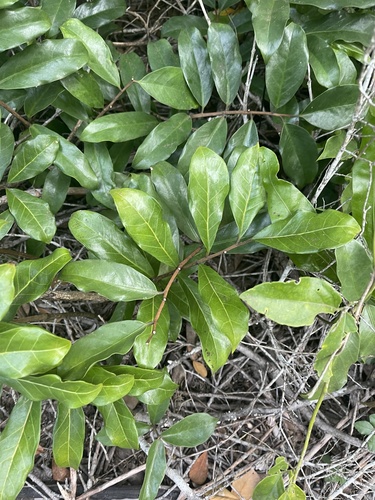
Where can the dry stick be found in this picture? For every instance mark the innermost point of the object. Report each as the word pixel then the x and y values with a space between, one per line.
pixel 365 295
pixel 208 20
pixel 14 113
pixel 166 291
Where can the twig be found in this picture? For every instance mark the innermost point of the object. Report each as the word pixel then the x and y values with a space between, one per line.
pixel 14 113
pixel 208 20
pixel 116 98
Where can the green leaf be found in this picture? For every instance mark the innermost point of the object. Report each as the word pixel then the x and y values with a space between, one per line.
pixel 33 157
pixel 149 355
pixel 116 282
pixel 167 85
pixel 83 86
pixel 226 61
pixel 113 387
pixel 18 444
pixel 190 431
pixel 58 12
pixel 99 12
pixel 32 215
pixel 195 64
pixel 22 25
pixel 7 273
pixel 306 232
pixel 6 3
pixel 6 222
pixel 269 18
pixel 211 135
pixel 162 393
pixel 109 339
pixel 119 127
pixel 55 189
pixel 367 333
pixel 6 147
pixel 156 466
pixel 293 492
pixel 247 195
pixel 208 188
pixel 323 61
pixel 42 63
pixel 270 488
pixel 299 153
pixel 229 314
pixel 161 54
pixel 101 163
pixel 144 379
pixel 100 57
pixel 354 269
pixel 364 427
pixel 119 425
pixel 333 109
pixel 336 4
pixel 26 350
pixel 102 237
pixel 215 345
pixel 173 25
pixel 39 98
pixel 68 436
pixel 293 303
pixel 142 217
pixel 287 66
pixel 162 141
pixel 37 388
pixel 132 68
pixel 244 136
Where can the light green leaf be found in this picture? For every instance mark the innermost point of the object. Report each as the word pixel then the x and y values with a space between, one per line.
pixel 364 427
pixel 18 444
pixel 132 68
pixel 167 85
pixel 269 18
pixel 162 393
pixel 306 232
pixel 32 215
pixel 333 145
pixel 144 379
pixel 247 195
pixel 195 64
pixel 22 25
pixel 115 281
pixel 33 157
pixel 102 237
pixel 208 187
pixel 334 108
pixel 113 387
pixel 287 66
pixel 155 470
pixel 119 425
pixel 293 492
pixel 323 61
pixel 96 13
pixel 109 339
pixel 100 57
pixel 83 86
pixel 367 333
pixel 143 220
pixel 270 488
pixel 6 3
pixel 68 436
pixel 293 303
pixel 161 54
pixel 162 141
pixel 42 63
pixel 7 273
pixel 6 147
pixel 226 61
pixel 228 313
pixel 6 222
pixel 26 350
pixel 37 388
pixel 354 269
pixel 190 431
pixel 119 127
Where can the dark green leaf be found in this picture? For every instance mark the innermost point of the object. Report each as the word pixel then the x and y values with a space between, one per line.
pixel 39 98
pixel 6 147
pixel 83 86
pixel 119 425
pixel 323 61
pixel 96 13
pixel 174 25
pixel 354 269
pixel 55 189
pixel 101 162
pixel 58 11
pixel 7 273
pixel 22 25
pixel 161 54
pixel 245 136
pixel 190 431
pixel 68 436
pixel 133 68
pixel 336 4
pixel 155 469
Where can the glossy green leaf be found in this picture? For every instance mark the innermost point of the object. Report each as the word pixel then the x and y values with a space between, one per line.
pixel 215 345
pixel 299 153
pixel 333 145
pixel 113 387
pixel 162 393
pixel 247 195
pixel 339 351
pixel 143 220
pixel 71 106
pixel 144 379
pixel 270 488
pixel 102 237
pixel 229 314
pixel 211 135
pixel 96 13
pixel 6 222
pixel 83 86
pixel 149 354
pixel 287 66
pixel 161 54
pixel 226 61
pixel 58 11
pixel 156 466
pixel 367 333
pixel 73 394
pixel 208 187
pixel 109 339
pixel 39 98
pixel 333 109
pixel 33 157
pixel 174 25
pixel 119 127
pixel 163 141
pixel 26 350
pixel 22 25
pixel 190 431
pixel 167 85
pixel 269 18
pixel 354 269
pixel 32 215
pixel 348 70
pixel 119 425
pixel 7 273
pixel 306 232
pixel 101 163
pixel 293 303
pixel 195 64
pixel 244 136
pixel 132 68
pixel 323 61
pixel 55 189
pixel 42 63
pixel 115 281
pixel 6 147
pixel 100 57
pixel 68 436
pixel 18 444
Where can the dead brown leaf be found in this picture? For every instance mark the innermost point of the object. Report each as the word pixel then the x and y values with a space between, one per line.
pixel 225 494
pixel 200 368
pixel 199 470
pixel 59 473
pixel 245 484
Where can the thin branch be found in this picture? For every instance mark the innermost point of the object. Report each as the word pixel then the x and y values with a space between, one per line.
pixel 208 20
pixel 14 113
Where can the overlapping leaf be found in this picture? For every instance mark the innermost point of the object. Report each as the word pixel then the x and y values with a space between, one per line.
pixel 113 387
pixel 68 436
pixel 119 426
pixel 7 272
pixel 21 26
pixel 6 147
